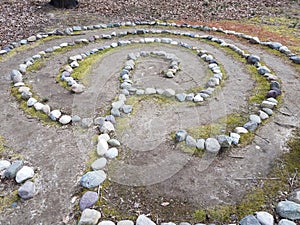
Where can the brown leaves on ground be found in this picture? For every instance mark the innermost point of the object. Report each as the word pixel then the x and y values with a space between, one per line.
pixel 23 18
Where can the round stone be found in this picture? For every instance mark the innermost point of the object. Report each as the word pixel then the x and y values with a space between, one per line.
pixel 180 97
pixel 169 92
pixel 65 119
pixel 190 141
pixel 224 140
pixel 102 147
pixel 144 220
pixel 127 109
pixel 289 210
pixel 286 222
pixel 235 138
pixel 77 88
pixel 180 135
pixel 46 109
pixel 12 170
pixel 4 164
pixel 265 218
pixel 93 179
pixel 200 144
pixel 107 127
pixel 252 59
pixel 27 190
pixel 106 222
pixel 263 115
pixel 112 153
pixel 251 126
pixel 99 164
pixel 150 91
pixel 88 200
pixel 114 142
pixel 125 222
pixel 241 130
pixel 55 114
pixel 38 106
pixel 268 111
pixel 268 104
pixel 24 173
pixel 249 220
pixel 198 98
pixel 255 118
pixel 212 145
pixel 31 101
pixel 89 216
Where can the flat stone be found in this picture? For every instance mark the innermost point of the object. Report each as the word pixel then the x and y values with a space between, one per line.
pixel 212 145
pixel 263 70
pixel 31 38
pixel 286 222
pixel 241 130
pixel 200 144
pixel 144 220
pixel 295 196
pixel 76 119
pixel 273 100
pixel 140 92
pixel 65 119
pixel 190 141
pixel 265 218
pixel 180 97
pixel 88 199
pixel 114 142
pixel 12 170
pixel 127 109
pixel 249 220
pixel 27 190
pixel 180 135
pixel 99 164
pixel 93 179
pixel 118 104
pixel 268 104
pixel 110 118
pixel 125 222
pixel 255 118
pixel 102 147
pixel 268 111
pixel 190 97
pixel 24 173
pixel 251 126
pixel 77 88
pixel 252 59
pixel 169 92
pixel 115 112
pixel 106 137
pixel 89 217
pixel 4 164
pixel 289 210
pixel 38 106
pixel 150 91
pixel 111 153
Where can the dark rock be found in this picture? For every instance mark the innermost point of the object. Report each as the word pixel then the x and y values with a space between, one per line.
pixel 251 126
pixel 27 190
pixel 88 200
pixel 252 59
pixel 249 220
pixel 12 170
pixel 181 135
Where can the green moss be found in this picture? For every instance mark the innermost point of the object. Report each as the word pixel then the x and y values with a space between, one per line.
pixel 2 148
pixel 7 199
pixel 37 65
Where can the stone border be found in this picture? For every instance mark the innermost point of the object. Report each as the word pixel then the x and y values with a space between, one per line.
pixel 106 127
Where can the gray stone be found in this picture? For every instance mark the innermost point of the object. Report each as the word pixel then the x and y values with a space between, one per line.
pixel 249 220
pixel 252 59
pixel 86 122
pixel 263 70
pixel 31 38
pixel 24 173
pixel 169 92
pixel 144 220
pixel 190 141
pixel 106 222
pixel 169 74
pixel 115 112
pixel 268 111
pixel 198 98
pixel 235 138
pixel 12 170
pixel 140 92
pixel 212 82
pixel 286 222
pixel 263 115
pixel 46 109
pixel 295 196
pixel 102 147
pixel 273 100
pixel 255 118
pixel 89 217
pixel 106 137
pixel 99 164
pixel 77 88
pixel 289 210
pixel 125 222
pixel 184 223
pixel 55 114
pixel 169 223
pixel 4 164
pixel 118 104
pixel 212 145
pixel 114 142
pixel 127 109
pixel 200 144
pixel 107 127
pixel 180 97
pixel 296 59
pixel 180 135
pixel 38 106
pixel 251 126
pixel 76 119
pixel 93 179
pixel 99 120
pixel 65 119
pixel 150 91
pixel 111 153
pixel 265 218
pixel 88 199
pixel 190 97
pixel 16 76
pixel 27 190
pixel 268 104
pixel 111 119
pixel 224 140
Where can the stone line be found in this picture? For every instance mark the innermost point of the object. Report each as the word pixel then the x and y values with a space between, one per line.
pixel 107 147
pixel 69 31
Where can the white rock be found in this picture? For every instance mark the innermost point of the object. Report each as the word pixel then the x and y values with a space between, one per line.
pixel 212 145
pixel 65 119
pixel 38 106
pixel 198 98
pixel 107 127
pixel 24 173
pixel 31 102
pixel 89 217
pixel 46 109
pixel 268 104
pixel 235 138
pixel 125 222
pixel 112 153
pixel 241 130
pixel 106 222
pixel 263 115
pixel 4 164
pixel 23 89
pixel 144 220
pixel 74 64
pixel 255 118
pixel 55 114
pixel 103 136
pixel 265 218
pixel 102 147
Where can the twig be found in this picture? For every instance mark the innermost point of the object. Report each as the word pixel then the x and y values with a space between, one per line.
pixel 291 180
pixel 265 139
pixel 237 156
pixel 285 125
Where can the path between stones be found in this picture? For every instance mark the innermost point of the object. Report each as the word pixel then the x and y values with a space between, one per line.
pixel 60 161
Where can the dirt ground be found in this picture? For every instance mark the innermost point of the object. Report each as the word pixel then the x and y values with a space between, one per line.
pixel 149 157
